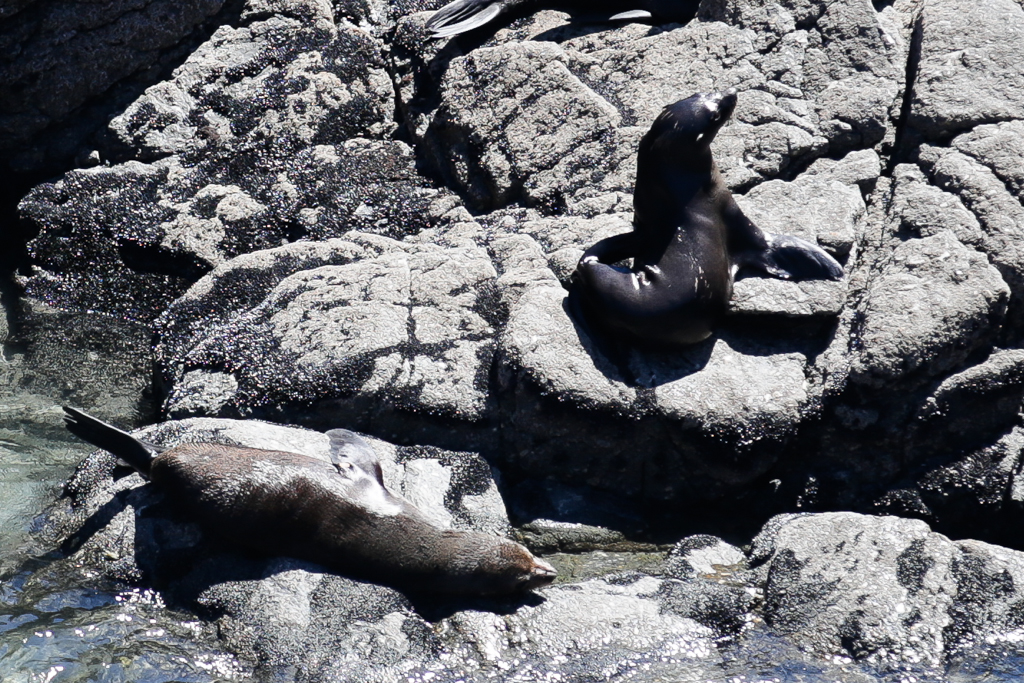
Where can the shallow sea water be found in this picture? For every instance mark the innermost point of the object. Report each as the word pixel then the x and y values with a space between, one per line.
pixel 58 623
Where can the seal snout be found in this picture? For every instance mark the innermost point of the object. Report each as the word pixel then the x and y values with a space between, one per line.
pixel 726 103
pixel 541 574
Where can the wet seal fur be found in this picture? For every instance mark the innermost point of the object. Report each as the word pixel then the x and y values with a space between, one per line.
pixel 688 241
pixel 337 514
pixel 461 16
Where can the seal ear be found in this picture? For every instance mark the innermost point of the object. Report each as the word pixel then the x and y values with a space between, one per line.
pixel 792 258
pixel 348 448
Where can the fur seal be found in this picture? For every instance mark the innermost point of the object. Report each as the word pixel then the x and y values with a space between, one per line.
pixel 339 515
pixel 689 238
pixel 465 15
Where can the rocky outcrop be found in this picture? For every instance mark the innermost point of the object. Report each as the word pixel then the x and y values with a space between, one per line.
pixel 330 220
pixel 410 328
pixel 884 590
pixel 302 269
pixel 547 115
pixel 270 132
pixel 66 66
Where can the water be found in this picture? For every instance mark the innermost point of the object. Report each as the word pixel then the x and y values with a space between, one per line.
pixel 58 623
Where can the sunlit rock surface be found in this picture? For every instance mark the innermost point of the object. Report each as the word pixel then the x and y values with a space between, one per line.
pixel 328 219
pixel 884 589
pixel 290 617
pixel 227 178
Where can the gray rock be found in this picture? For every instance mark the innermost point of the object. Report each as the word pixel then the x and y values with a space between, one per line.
pixel 315 82
pixel 703 555
pixel 860 168
pixel 931 306
pixel 924 210
pixel 957 402
pixel 826 87
pixel 65 68
pixel 235 163
pixel 815 208
pixel 983 84
pixel 884 589
pixel 355 329
pixel 999 213
pixel 615 626
pixel 1001 148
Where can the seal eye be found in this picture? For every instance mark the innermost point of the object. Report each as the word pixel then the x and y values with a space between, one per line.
pixel 717 115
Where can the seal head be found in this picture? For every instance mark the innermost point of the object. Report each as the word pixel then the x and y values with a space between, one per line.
pixel 688 241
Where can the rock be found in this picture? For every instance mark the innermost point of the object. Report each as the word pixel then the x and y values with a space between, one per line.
pixel 703 555
pixel 814 208
pixel 999 147
pixel 65 69
pixel 359 331
pixel 931 306
pixel 983 84
pixel 617 624
pixel 988 394
pixel 315 83
pixel 999 213
pixel 823 88
pixel 860 168
pixel 234 163
pixel 883 589
pixel 925 210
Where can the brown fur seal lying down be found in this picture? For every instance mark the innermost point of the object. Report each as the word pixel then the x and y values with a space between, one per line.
pixel 339 515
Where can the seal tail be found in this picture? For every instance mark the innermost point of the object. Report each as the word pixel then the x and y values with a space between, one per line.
pixel 463 15
pixel 792 258
pixel 136 453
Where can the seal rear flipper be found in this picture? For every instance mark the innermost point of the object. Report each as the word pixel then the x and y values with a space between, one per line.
pixel 139 454
pixel 348 448
pixel 611 249
pixel 463 15
pixel 631 14
pixel 792 258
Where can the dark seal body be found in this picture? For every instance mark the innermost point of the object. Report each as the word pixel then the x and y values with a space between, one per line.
pixel 465 15
pixel 689 238
pixel 337 514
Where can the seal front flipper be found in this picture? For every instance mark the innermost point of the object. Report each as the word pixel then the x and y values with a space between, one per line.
pixel 139 454
pixel 783 256
pixel 792 258
pixel 350 449
pixel 464 15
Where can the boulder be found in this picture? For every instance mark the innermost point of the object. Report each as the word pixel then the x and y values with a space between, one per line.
pixel 367 331
pixel 884 589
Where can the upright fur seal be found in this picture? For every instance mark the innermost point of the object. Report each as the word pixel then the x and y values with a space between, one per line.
pixel 689 238
pixel 339 515
pixel 465 15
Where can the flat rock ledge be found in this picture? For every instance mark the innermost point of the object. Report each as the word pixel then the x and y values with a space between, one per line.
pixel 849 593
